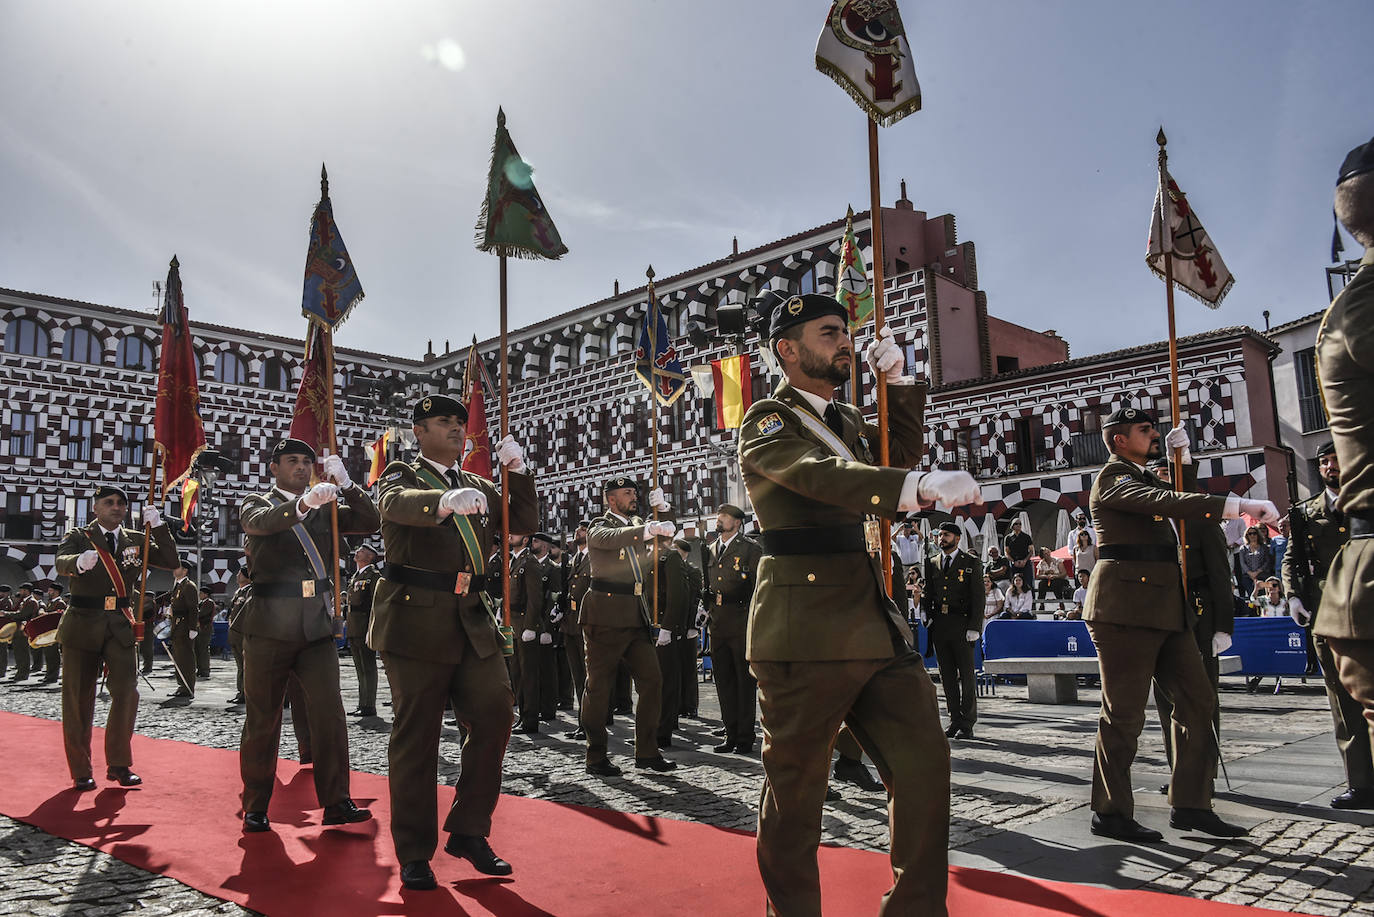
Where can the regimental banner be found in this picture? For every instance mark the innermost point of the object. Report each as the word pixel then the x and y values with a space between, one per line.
pixel 332 287
pixel 513 221
pixel 310 416
pixel 863 47
pixel 656 361
pixel 178 434
pixel 851 287
pixel 477 448
pixel 1174 227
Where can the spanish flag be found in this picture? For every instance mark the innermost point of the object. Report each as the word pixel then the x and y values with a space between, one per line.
pixel 734 390
pixel 190 499
pixel 376 451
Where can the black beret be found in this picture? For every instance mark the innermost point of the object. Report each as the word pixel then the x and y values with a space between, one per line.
pixel 1128 414
pixel 731 509
pixel 206 590
pixel 370 547
pixel 1327 448
pixel 290 446
pixel 619 482
pixel 110 490
pixel 439 406
pixel 4 588
pixel 541 536
pixel 682 543
pixel 1158 463
pixel 1357 162
pixel 798 309
pixel 951 527
pixel 28 586
pixel 585 524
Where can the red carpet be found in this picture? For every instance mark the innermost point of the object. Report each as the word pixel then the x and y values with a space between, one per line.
pixel 569 860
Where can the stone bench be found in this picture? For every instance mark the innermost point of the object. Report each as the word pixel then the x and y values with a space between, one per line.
pixel 1054 679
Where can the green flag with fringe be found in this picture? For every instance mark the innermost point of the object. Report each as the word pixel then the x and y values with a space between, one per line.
pixel 513 220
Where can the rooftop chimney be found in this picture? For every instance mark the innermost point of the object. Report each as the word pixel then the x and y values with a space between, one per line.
pixel 902 202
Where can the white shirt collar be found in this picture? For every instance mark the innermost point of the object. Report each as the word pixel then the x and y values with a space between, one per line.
pixel 614 515
pixel 724 542
pixel 288 495
pixel 818 404
pixel 113 531
pixel 517 554
pixel 443 469
pixel 1331 498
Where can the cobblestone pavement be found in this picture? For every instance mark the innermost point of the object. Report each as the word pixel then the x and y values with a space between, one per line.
pixel 1020 799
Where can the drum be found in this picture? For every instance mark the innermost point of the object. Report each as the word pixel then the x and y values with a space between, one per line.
pixel 42 629
pixel 163 630
pixel 8 631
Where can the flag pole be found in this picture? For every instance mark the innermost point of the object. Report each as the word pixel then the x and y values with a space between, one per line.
pixel 651 322
pixel 1176 460
pixel 328 342
pixel 505 475
pixel 147 542
pixel 879 381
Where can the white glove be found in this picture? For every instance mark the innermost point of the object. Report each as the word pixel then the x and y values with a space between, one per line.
pixel 545 639
pixel 659 528
pixel 1220 643
pixel 665 637
pixel 1262 510
pixel 1177 438
pixel 885 357
pixel 320 494
pixel 86 560
pixel 658 501
pixel 555 616
pixel 693 633
pixel 151 517
pixel 701 618
pixel 194 634
pixel 334 468
pixel 952 488
pixel 527 636
pixel 971 635
pixel 465 501
pixel 1300 615
pixel 512 457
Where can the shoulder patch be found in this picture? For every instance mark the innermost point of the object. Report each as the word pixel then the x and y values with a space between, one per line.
pixel 1122 478
pixel 391 477
pixel 770 425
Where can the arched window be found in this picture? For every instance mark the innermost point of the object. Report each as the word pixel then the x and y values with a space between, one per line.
pixel 229 368
pixel 134 353
pixel 25 336
pixel 275 375
pixel 82 346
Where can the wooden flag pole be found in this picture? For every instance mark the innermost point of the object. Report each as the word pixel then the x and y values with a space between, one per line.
pixel 505 475
pixel 1176 460
pixel 147 542
pixel 651 319
pixel 327 340
pixel 879 381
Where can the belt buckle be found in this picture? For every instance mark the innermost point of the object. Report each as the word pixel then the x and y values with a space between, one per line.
pixel 307 588
pixel 639 588
pixel 720 599
pixel 461 583
pixel 111 603
pixel 944 609
pixel 872 536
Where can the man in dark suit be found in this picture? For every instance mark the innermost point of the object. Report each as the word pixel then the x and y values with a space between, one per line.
pixel 288 627
pixel 435 627
pixel 732 566
pixel 953 604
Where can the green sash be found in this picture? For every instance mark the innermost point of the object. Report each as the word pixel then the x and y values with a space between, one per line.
pixel 466 530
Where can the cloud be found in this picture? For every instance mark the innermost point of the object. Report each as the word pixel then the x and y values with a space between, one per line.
pixel 445 53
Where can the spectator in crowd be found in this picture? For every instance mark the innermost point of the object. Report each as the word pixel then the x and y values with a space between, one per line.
pixel 1080 528
pixel 999 568
pixel 907 544
pixel 1084 552
pixel 1272 603
pixel 1051 575
pixel 1255 560
pixel 993 598
pixel 1019 600
pixel 1278 545
pixel 1018 546
pixel 1080 596
pixel 914 588
pixel 1235 541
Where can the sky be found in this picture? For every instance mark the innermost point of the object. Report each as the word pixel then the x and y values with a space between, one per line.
pixel 659 131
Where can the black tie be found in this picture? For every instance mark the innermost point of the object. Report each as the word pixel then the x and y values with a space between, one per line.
pixel 113 542
pixel 949 559
pixel 833 420
pixel 452 479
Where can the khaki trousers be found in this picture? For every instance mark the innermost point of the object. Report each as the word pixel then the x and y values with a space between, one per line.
pixel 480 692
pixel 1130 657
pixel 606 647
pixel 267 665
pixel 364 663
pixel 1352 732
pixel 669 661
pixel 1165 706
pixel 890 706
pixel 183 650
pixel 1355 662
pixel 80 675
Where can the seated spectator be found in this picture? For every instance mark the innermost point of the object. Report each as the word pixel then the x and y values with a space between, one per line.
pixel 1272 604
pixel 993 599
pixel 1256 562
pixel 1051 575
pixel 999 568
pixel 1080 596
pixel 1019 602
pixel 1084 553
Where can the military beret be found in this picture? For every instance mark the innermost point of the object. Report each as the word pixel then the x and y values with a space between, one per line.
pixel 205 590
pixel 1327 448
pixel 1128 414
pixel 1016 523
pixel 731 509
pixel 682 543
pixel 369 546
pixel 795 310
pixel 1160 462
pixel 951 527
pixel 4 588
pixel 1357 162
pixel 585 524
pixel 29 586
pixel 110 490
pixel 291 446
pixel 439 406
pixel 618 482
pixel 541 536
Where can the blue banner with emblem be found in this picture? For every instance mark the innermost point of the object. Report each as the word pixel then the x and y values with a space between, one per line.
pixel 332 287
pixel 656 361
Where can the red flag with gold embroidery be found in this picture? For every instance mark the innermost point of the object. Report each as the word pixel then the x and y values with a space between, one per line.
pixel 178 434
pixel 310 418
pixel 1175 228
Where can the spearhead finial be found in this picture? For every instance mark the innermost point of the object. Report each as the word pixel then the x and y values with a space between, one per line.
pixel 849 218
pixel 175 264
pixel 500 116
pixel 324 181
pixel 650 272
pixel 1160 138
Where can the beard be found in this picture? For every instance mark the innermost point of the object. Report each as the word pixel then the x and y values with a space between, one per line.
pixel 817 368
pixel 1332 480
pixel 1156 449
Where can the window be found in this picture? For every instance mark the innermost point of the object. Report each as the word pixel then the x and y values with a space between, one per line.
pixel 23 434
pixel 758 386
pixel 678 425
pixel 21 521
pixel 80 431
pixel 806 283
pixel 720 491
pixel 1027 445
pixel 1008 364
pixel 603 430
pixel 966 448
pixel 678 497
pixel 81 346
pixel 1309 393
pixel 1164 412
pixel 229 368
pixel 134 353
pixel 708 414
pixel 909 358
pixel 275 375
pixel 132 437
pixel 78 512
pixel 25 336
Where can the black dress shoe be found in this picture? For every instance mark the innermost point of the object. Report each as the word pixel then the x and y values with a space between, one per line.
pixel 1206 821
pixel 530 730
pixel 744 748
pixel 965 732
pixel 724 747
pixel 719 732
pixel 832 794
pixel 181 692
pixel 1354 799
pixel 654 764
pixel 305 756
pixel 236 699
pixel 83 784
pixel 475 849
pixel 254 822
pixel 603 769
pixel 125 776
pixel 854 772
pixel 417 876
pixel 345 813
pixel 951 731
pixel 565 705
pixel 1123 828
pixel 579 733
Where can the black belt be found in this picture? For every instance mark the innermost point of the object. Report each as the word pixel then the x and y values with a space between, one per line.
pixel 1360 526
pixel 605 585
pixel 439 582
pixel 1154 553
pixel 827 539
pixel 96 602
pixel 292 589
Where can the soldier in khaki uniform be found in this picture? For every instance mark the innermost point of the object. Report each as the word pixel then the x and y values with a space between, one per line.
pixel 529 620
pixel 26 607
pixel 288 628
pixel 244 582
pixel 674 616
pixel 360 592
pixel 184 612
pixel 205 631
pixel 52 655
pixel 953 605
pixel 1142 627
pixel 826 643
pixel 732 566
pixel 1345 366
pixel 616 626
pixel 6 617
pixel 579 581
pixel 104 561
pixel 435 628
pixel 688 647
